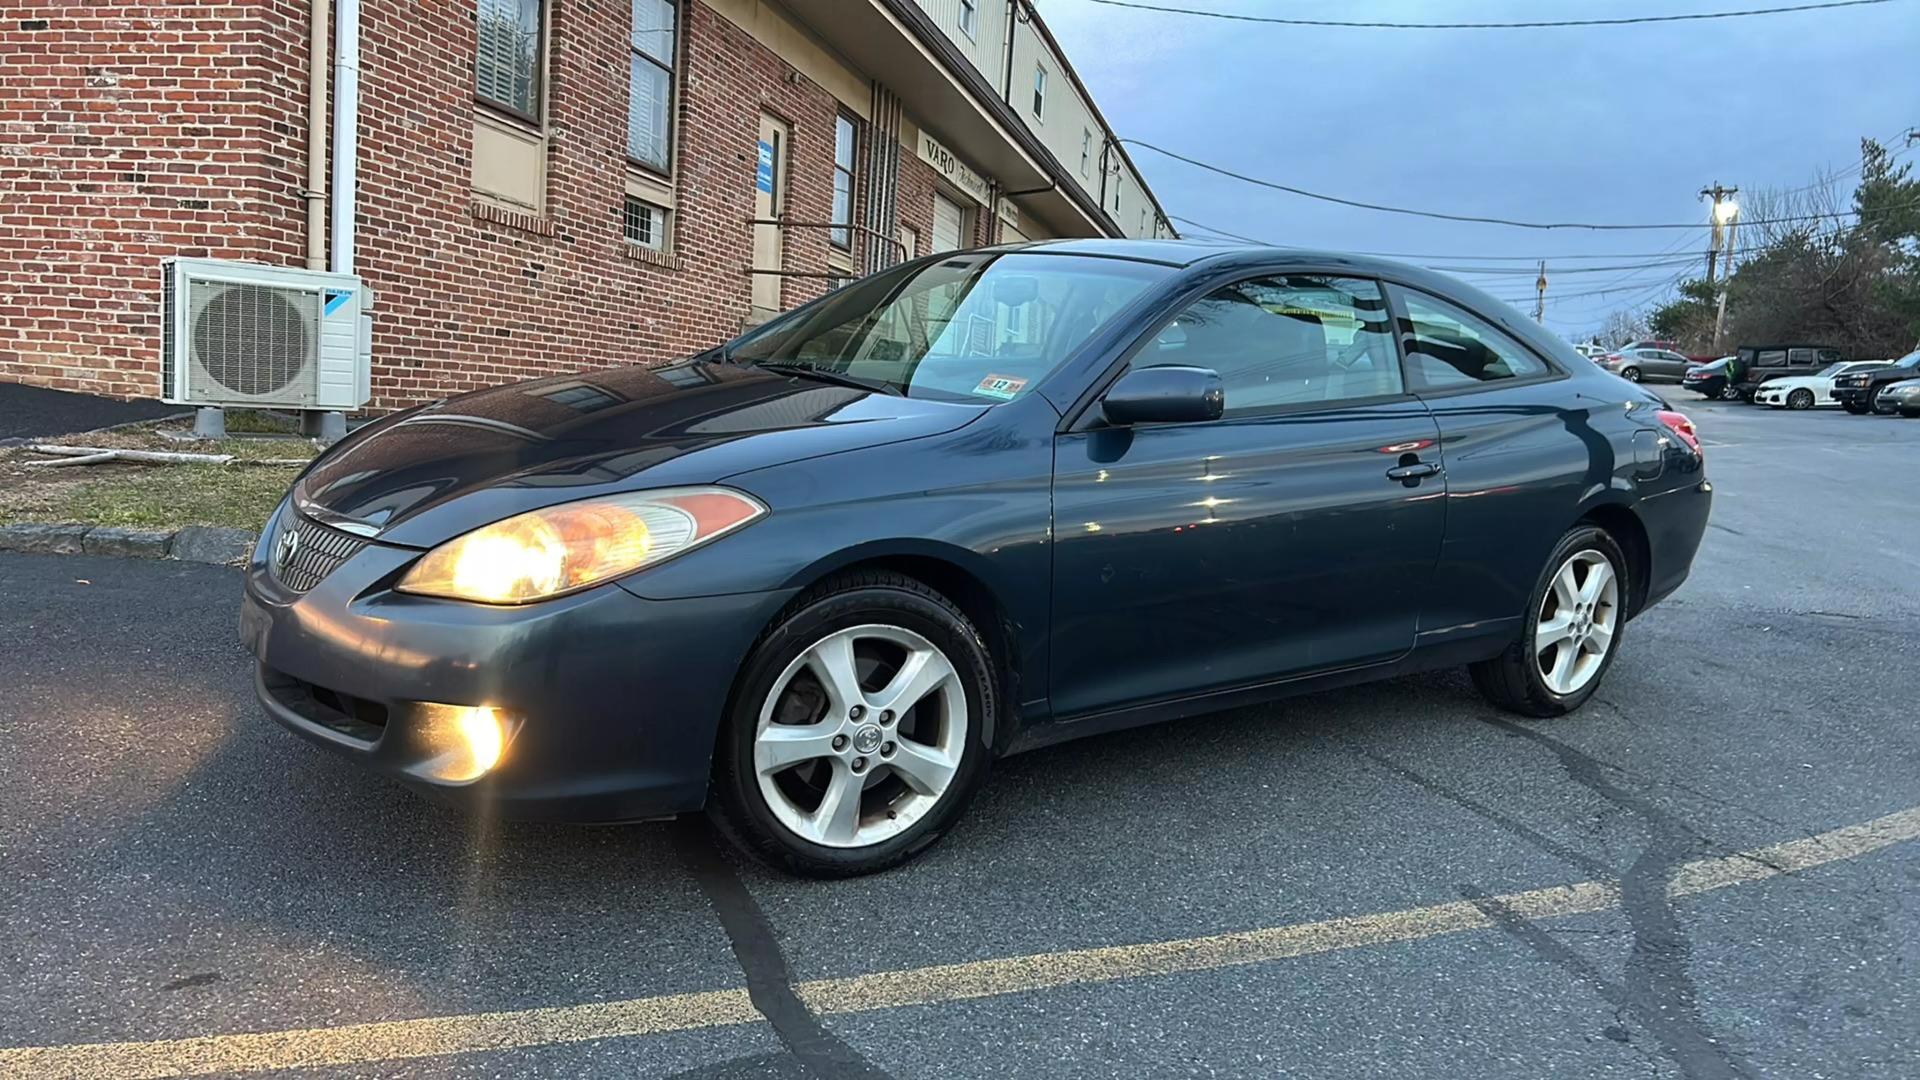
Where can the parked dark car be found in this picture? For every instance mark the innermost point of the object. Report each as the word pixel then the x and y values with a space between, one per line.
pixel 818 579
pixel 1757 364
pixel 1858 391
pixel 1712 380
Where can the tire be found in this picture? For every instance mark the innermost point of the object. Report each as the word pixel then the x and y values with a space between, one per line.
pixel 1631 374
pixel 1855 408
pixel 884 620
pixel 1911 414
pixel 1730 392
pixel 1800 399
pixel 1515 680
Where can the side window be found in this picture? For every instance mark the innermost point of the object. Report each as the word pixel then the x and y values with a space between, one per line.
pixel 1292 339
pixel 1448 347
pixel 1770 358
pixel 1800 357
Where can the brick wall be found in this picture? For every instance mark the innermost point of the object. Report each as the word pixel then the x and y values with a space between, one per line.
pixel 130 132
pixel 138 131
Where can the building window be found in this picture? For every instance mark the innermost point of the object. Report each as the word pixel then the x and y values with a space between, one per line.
pixel 843 158
pixel 650 105
pixel 645 224
pixel 970 18
pixel 1086 151
pixel 1039 93
pixel 507 66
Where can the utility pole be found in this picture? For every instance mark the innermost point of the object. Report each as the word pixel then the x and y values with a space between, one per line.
pixel 1719 195
pixel 1720 316
pixel 1540 295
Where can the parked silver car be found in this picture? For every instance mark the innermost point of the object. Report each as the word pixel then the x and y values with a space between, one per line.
pixel 1902 397
pixel 1646 365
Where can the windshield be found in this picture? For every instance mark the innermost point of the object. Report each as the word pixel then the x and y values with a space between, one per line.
pixel 1912 359
pixel 978 326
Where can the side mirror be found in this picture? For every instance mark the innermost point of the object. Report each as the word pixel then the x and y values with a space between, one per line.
pixel 1164 395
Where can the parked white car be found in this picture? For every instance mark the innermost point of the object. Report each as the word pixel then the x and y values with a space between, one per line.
pixel 1807 391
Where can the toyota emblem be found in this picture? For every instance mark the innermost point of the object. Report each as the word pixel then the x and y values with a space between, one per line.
pixel 284 551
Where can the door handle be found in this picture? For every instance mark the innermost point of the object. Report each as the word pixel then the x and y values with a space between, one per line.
pixel 1414 472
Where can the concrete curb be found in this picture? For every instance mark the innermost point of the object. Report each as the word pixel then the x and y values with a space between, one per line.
pixel 194 543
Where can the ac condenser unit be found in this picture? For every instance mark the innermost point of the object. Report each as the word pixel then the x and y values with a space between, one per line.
pixel 235 333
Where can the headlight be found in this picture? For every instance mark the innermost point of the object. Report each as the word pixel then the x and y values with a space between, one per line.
pixel 573 546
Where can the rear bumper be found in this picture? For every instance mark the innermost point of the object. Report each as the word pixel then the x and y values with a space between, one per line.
pixel 613 701
pixel 1676 521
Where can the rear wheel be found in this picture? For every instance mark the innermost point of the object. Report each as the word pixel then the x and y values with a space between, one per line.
pixel 1800 399
pixel 1572 631
pixel 855 735
pixel 1729 392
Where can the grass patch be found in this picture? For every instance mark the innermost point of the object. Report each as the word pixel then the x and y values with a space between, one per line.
pixel 255 422
pixel 152 496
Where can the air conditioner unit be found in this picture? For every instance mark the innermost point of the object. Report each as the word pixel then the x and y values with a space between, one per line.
pixel 236 333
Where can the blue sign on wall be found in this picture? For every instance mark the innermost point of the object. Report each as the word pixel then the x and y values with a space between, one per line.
pixel 763 175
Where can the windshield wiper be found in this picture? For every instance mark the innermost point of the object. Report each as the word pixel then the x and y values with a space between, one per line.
pixel 839 378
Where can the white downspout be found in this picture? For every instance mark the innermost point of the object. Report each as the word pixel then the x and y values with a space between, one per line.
pixel 316 193
pixel 346 129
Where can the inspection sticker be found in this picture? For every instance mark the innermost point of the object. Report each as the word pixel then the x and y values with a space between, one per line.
pixel 1004 387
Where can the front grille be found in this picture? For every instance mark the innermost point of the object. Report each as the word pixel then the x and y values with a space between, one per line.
pixel 304 552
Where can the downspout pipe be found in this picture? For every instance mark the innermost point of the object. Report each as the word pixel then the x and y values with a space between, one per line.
pixel 346 129
pixel 316 192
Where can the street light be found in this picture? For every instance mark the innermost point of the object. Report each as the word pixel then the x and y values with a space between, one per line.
pixel 1725 211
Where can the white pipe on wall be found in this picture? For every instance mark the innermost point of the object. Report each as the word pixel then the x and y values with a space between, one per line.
pixel 316 193
pixel 346 129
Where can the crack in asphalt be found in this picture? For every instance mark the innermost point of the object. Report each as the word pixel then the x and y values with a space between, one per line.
pixel 819 1051
pixel 1658 990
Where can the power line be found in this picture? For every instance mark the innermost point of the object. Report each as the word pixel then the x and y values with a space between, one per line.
pixel 1476 256
pixel 1537 25
pixel 1524 271
pixel 1471 218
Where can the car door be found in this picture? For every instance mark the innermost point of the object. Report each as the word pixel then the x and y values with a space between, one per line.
pixel 1670 365
pixel 1521 451
pixel 1270 542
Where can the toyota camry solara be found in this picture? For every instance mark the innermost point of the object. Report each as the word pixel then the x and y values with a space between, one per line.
pixel 816 580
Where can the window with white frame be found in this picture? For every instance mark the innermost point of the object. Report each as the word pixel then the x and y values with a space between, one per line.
pixel 650 101
pixel 1039 92
pixel 843 161
pixel 970 18
pixel 507 64
pixel 645 224
pixel 1086 151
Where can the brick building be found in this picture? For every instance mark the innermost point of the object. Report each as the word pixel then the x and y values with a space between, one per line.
pixel 542 185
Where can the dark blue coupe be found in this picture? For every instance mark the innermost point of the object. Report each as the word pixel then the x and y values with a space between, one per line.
pixel 816 580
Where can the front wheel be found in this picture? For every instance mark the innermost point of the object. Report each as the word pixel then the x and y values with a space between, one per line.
pixel 1910 413
pixel 1855 407
pixel 1800 399
pixel 1631 374
pixel 855 735
pixel 1571 633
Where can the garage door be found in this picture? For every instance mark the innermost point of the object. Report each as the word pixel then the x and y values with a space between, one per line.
pixel 948 223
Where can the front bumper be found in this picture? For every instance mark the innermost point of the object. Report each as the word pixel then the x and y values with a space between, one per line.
pixel 614 700
pixel 1852 395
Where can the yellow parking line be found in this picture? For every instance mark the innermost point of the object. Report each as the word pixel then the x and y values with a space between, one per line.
pixel 440 1035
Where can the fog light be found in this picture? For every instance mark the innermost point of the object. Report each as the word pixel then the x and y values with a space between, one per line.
pixel 465 741
pixel 481 730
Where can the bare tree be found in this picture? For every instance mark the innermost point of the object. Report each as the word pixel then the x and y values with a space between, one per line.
pixel 1621 326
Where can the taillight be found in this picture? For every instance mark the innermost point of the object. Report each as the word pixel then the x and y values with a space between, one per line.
pixel 1683 427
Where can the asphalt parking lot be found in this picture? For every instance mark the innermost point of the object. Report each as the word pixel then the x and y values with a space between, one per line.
pixel 1708 872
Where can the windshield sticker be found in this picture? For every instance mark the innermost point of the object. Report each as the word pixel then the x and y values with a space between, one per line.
pixel 1004 387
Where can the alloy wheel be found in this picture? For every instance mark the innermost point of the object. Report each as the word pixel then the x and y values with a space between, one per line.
pixel 1632 374
pixel 860 736
pixel 1800 399
pixel 1578 620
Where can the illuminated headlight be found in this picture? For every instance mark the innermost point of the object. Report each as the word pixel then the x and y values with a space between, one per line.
pixel 573 546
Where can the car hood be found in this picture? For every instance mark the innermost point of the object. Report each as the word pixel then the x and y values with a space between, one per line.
pixel 1795 382
pixel 423 476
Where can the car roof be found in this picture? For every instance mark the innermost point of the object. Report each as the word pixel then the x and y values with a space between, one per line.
pixel 1186 254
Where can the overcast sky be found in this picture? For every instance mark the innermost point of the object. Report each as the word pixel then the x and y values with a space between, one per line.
pixel 1617 124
